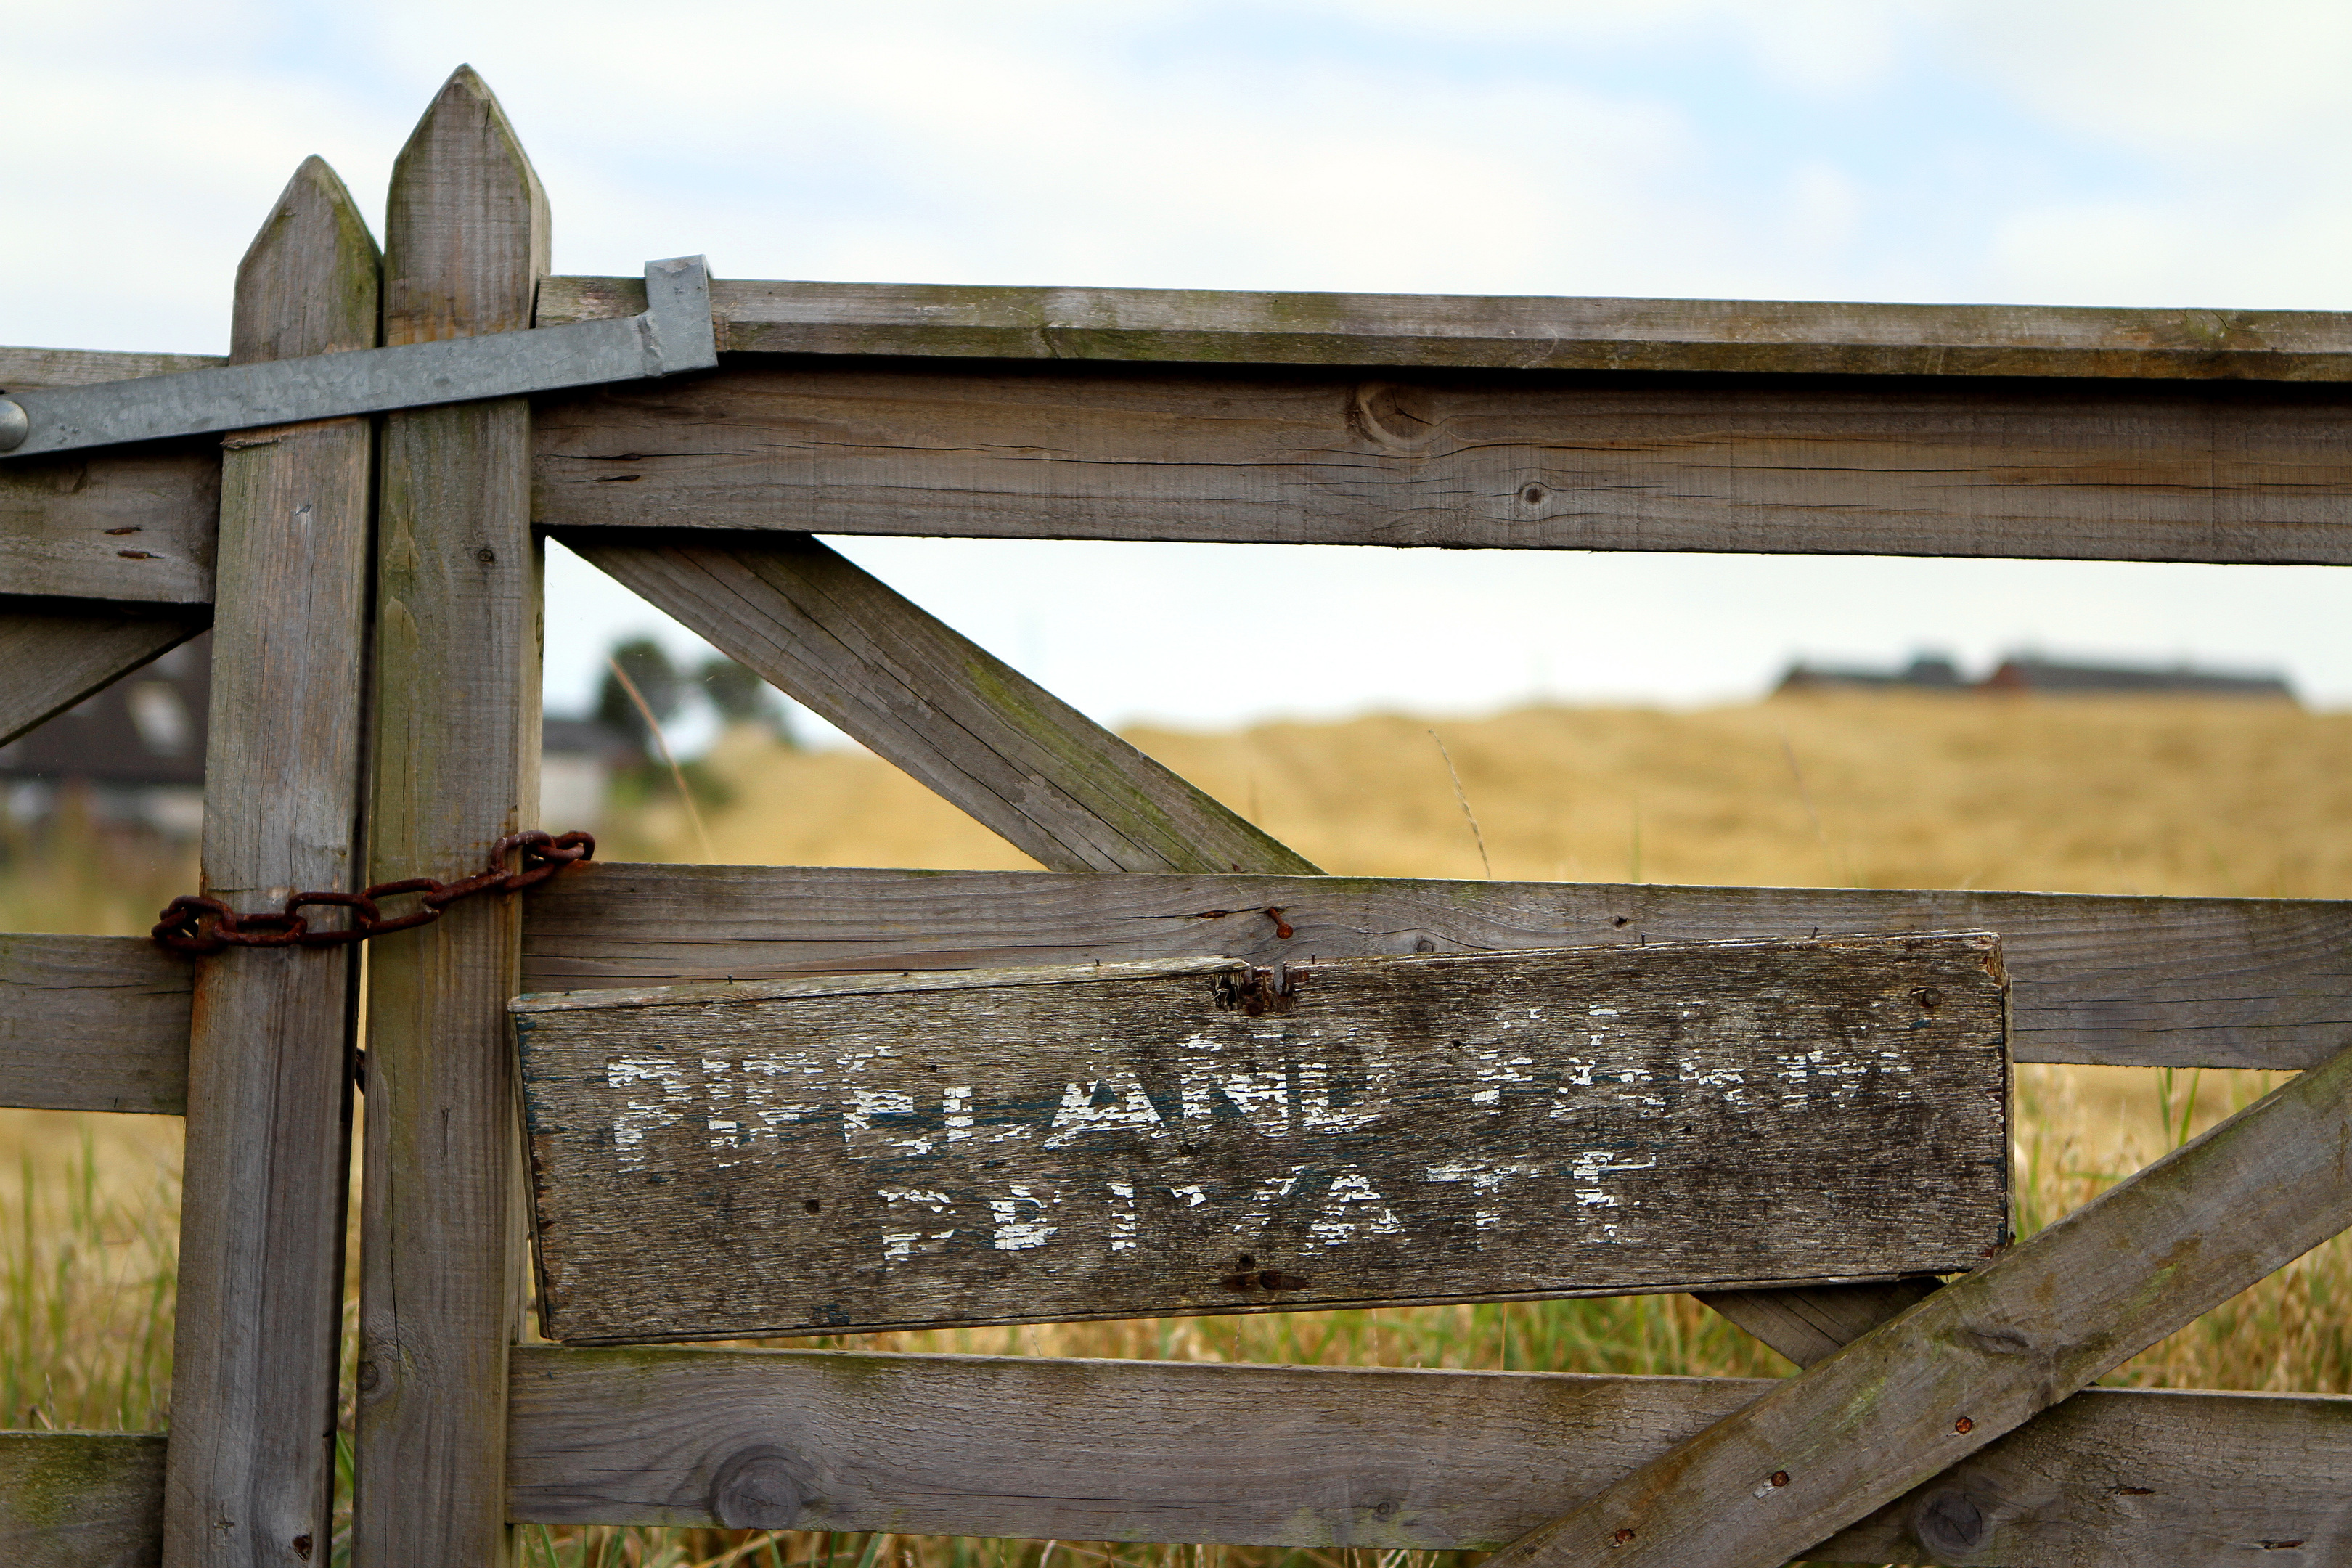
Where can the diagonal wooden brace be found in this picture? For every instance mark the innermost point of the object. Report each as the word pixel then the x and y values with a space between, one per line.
pixel 1981 1356
pixel 1022 761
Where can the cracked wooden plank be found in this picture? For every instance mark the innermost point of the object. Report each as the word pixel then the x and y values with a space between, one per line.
pixel 1037 1447
pixel 1128 1141
pixel 93 1022
pixel 2144 982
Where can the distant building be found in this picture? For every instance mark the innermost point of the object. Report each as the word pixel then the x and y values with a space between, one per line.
pixel 577 760
pixel 1926 672
pixel 134 753
pixel 2033 673
pixel 2026 673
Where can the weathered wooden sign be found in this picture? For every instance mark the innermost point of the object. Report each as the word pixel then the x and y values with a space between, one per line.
pixel 1205 1136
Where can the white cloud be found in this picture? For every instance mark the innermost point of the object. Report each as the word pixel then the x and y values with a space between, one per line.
pixel 2157 152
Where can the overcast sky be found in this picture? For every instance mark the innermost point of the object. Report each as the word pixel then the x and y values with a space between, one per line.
pixel 2148 153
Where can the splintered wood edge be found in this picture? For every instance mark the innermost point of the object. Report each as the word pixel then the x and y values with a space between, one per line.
pixel 704 992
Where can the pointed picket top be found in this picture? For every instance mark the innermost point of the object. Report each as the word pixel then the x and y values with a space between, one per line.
pixel 310 283
pixel 463 171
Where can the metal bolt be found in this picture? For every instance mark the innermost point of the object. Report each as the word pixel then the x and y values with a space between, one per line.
pixel 1964 1425
pixel 15 424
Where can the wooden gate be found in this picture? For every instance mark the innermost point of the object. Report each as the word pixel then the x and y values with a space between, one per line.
pixel 778 1100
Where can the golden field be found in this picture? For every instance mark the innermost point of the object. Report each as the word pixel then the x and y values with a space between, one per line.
pixel 2109 795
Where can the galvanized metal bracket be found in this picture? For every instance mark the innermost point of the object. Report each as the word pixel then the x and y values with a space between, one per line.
pixel 674 334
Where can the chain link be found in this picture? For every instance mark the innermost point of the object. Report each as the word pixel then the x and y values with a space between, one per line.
pixel 194 924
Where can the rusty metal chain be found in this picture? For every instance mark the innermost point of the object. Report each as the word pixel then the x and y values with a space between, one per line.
pixel 194 924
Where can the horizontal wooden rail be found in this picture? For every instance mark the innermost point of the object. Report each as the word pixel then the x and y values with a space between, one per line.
pixel 1262 432
pixel 23 369
pixel 93 1022
pixel 2128 982
pixel 81 1500
pixel 1316 1457
pixel 136 525
pixel 1494 331
pixel 2117 470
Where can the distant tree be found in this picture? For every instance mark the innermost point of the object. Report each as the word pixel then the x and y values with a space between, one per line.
pixel 741 697
pixel 657 680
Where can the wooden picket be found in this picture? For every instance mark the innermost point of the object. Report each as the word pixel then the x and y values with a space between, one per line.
pixel 256 1350
pixel 1930 1425
pixel 442 1292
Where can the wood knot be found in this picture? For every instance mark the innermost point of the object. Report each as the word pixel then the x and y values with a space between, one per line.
pixel 1398 418
pixel 1994 1342
pixel 762 1487
pixel 1949 1524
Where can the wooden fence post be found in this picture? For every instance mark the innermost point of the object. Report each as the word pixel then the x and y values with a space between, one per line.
pixel 457 705
pixel 251 1458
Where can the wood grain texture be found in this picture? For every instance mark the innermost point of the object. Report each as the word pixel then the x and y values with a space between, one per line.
pixel 1324 1457
pixel 53 655
pixel 2258 982
pixel 259 1322
pixel 25 370
pixel 82 1499
pixel 1059 786
pixel 2141 471
pixel 1137 1141
pixel 1981 1356
pixel 93 1022
pixel 1496 332
pixel 133 524
pixel 456 744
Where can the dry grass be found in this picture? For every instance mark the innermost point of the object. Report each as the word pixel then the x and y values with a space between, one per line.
pixel 2130 796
